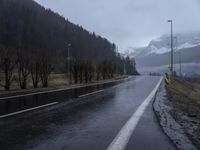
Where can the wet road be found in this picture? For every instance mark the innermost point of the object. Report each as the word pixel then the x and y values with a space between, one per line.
pixel 91 123
pixel 14 103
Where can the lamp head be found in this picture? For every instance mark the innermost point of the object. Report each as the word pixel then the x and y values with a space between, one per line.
pixel 68 44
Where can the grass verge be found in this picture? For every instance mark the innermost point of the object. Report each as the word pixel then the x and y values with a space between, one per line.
pixel 185 100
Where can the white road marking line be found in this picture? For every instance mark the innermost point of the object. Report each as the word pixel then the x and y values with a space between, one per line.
pixel 27 110
pixel 57 90
pixel 91 93
pixel 122 138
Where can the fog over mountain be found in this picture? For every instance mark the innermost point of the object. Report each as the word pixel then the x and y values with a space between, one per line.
pixel 161 45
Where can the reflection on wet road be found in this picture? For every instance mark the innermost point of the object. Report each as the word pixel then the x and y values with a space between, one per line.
pixel 18 103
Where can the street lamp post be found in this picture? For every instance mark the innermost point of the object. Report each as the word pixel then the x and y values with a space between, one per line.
pixel 68 60
pixel 172 47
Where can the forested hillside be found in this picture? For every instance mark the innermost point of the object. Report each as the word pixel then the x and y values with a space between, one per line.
pixel 26 25
pixel 35 40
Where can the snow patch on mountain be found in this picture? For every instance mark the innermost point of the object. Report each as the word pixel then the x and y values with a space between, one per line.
pixel 135 52
pixel 187 45
pixel 155 50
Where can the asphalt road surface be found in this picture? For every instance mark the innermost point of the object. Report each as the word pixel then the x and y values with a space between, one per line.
pixel 119 115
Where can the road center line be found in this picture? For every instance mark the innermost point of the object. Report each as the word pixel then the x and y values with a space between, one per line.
pixel 26 110
pixel 91 93
pixel 122 138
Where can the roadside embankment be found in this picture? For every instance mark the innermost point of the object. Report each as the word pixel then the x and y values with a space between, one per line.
pixel 177 108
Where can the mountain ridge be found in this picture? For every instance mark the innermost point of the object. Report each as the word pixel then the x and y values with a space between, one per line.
pixel 162 45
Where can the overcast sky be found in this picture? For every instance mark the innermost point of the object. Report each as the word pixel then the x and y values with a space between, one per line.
pixel 129 23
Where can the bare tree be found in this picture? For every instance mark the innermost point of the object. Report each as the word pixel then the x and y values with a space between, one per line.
pixel 104 70
pixel 91 69
pixel 86 71
pixel 8 62
pixel 107 69
pixel 98 71
pixel 45 69
pixel 35 68
pixel 81 70
pixel 75 64
pixel 23 67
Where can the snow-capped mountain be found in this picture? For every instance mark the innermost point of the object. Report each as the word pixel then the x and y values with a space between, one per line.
pixel 161 45
pixel 135 52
